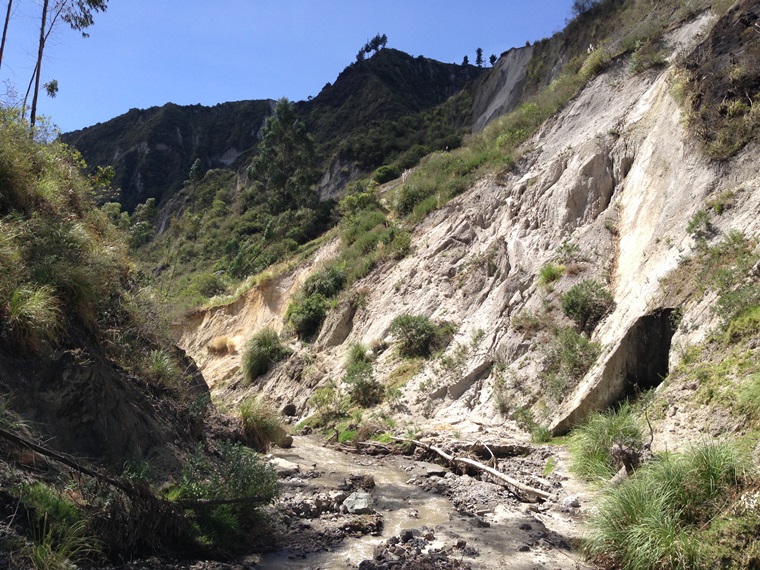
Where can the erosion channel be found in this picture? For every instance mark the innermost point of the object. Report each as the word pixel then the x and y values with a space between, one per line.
pixel 421 514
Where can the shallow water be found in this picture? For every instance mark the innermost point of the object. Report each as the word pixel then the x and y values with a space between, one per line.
pixel 394 499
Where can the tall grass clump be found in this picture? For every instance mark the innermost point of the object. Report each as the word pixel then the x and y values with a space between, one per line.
pixel 263 350
pixel 662 516
pixel 549 273
pixel 592 443
pixel 262 425
pixel 58 531
pixel 33 315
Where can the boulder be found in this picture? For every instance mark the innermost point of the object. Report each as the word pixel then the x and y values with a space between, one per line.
pixel 359 503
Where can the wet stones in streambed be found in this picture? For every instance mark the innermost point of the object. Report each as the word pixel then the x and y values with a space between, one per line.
pixel 411 550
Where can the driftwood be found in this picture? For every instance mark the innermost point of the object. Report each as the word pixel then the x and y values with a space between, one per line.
pixel 368 447
pixel 526 493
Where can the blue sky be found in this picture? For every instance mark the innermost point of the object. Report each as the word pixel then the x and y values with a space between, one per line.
pixel 142 53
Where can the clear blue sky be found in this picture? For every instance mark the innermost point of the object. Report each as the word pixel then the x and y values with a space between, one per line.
pixel 142 53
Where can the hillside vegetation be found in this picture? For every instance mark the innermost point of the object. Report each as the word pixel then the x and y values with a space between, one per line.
pixel 87 368
pixel 588 259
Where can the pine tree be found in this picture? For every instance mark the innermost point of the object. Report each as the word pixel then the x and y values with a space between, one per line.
pixel 492 59
pixel 466 61
pixel 479 57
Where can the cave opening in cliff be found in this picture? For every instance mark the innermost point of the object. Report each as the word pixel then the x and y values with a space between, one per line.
pixel 647 347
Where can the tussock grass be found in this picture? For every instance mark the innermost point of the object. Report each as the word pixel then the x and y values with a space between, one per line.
pixel 550 273
pixel 262 425
pixel 262 352
pixel 34 315
pixel 660 518
pixel 221 345
pixel 591 444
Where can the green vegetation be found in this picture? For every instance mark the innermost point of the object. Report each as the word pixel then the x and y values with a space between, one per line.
pixel 675 513
pixel 262 425
pixel 363 389
pixel 549 273
pixel 539 433
pixel 58 529
pixel 261 353
pixel 568 356
pixel 236 474
pixel 724 268
pixel 591 444
pixel 331 406
pixel 718 90
pixel 419 336
pixel 64 271
pixel 586 303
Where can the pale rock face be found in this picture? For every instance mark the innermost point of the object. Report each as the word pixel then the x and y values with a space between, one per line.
pixel 615 173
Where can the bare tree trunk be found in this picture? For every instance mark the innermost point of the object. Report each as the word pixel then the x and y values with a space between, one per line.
pixel 33 116
pixel 5 30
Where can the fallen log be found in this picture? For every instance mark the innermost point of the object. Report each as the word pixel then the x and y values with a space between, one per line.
pixel 532 493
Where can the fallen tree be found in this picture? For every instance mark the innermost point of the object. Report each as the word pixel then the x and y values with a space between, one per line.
pixel 522 491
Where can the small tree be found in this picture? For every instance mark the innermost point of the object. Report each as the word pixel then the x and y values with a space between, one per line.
pixel 466 61
pixel 5 30
pixel 492 59
pixel 479 57
pixel 78 14
pixel 196 172
pixel 284 171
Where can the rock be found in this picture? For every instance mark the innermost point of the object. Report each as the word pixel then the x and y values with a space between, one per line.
pixel 570 502
pixel 433 470
pixel 284 468
pixel 359 503
pixel 288 410
pixel 286 442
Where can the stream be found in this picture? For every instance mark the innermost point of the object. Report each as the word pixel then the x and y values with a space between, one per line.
pixel 499 532
pixel 395 500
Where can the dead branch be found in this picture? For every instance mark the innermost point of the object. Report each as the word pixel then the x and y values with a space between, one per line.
pixel 532 492
pixel 129 488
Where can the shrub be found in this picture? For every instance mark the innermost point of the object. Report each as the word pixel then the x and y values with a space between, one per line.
pixel 699 226
pixel 419 336
pixel 263 350
pixel 329 403
pixel 306 314
pixel 386 174
pixel 235 473
pixel 328 282
pixel 569 355
pixel 591 444
pixel 363 389
pixel 586 303
pixel 261 424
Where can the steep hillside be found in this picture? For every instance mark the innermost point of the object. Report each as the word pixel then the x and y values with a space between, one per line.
pixel 607 258
pixel 153 150
pixel 105 448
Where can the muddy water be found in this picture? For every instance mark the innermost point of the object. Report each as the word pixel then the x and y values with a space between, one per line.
pixel 394 499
